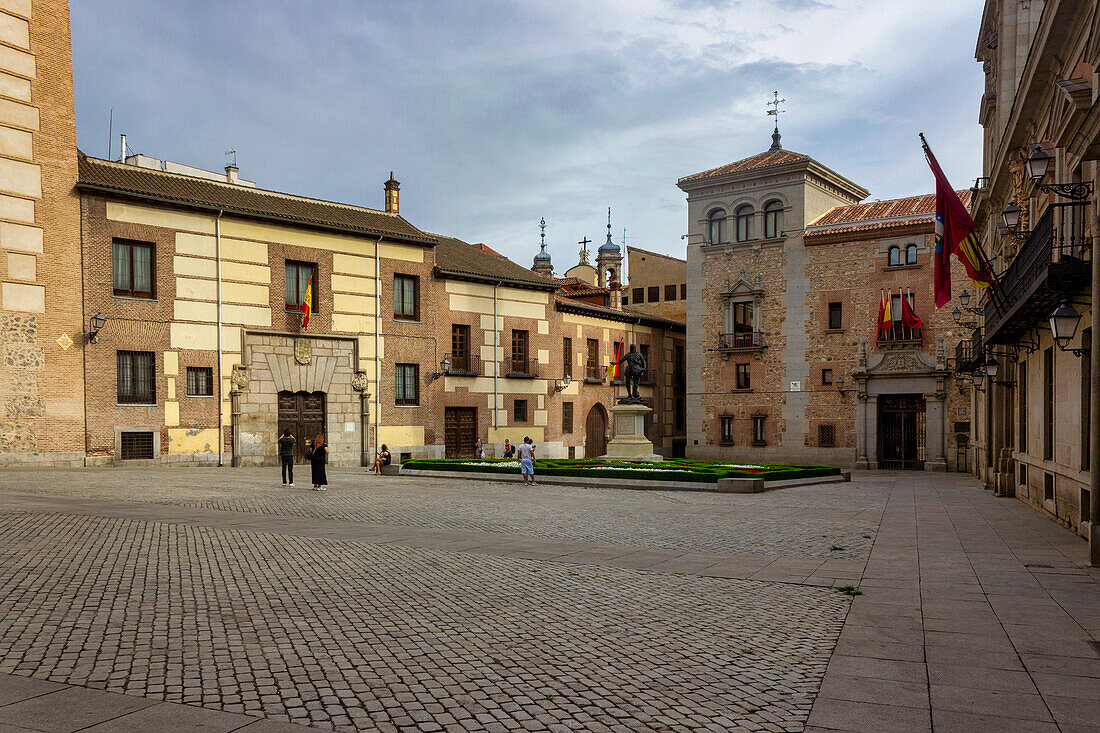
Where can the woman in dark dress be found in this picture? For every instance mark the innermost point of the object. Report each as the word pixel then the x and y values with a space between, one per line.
pixel 318 457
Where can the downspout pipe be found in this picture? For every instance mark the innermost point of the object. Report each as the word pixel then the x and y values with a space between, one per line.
pixel 377 345
pixel 221 387
pixel 496 353
pixel 1094 410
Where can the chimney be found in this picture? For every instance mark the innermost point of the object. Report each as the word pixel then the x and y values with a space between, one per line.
pixel 392 187
pixel 122 157
pixel 231 173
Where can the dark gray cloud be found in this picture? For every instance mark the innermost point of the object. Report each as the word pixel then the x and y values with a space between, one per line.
pixel 493 114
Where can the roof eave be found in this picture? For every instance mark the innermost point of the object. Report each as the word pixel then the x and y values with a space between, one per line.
pixel 443 272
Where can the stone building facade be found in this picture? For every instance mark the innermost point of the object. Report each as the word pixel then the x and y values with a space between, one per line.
pixel 42 330
pixel 1035 433
pixel 657 284
pixel 785 273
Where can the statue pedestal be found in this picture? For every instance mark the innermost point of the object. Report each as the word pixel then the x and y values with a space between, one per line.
pixel 630 443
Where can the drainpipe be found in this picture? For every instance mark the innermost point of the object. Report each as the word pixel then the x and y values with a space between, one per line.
pixel 1094 411
pixel 377 344
pixel 496 349
pixel 221 396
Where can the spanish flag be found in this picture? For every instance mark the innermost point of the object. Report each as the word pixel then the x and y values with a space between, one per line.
pixel 307 304
pixel 954 234
pixel 614 370
pixel 885 320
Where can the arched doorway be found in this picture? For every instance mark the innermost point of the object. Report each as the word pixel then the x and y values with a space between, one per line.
pixel 595 431
pixel 304 414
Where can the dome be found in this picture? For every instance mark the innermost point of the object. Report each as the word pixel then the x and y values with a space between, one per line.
pixel 543 255
pixel 609 247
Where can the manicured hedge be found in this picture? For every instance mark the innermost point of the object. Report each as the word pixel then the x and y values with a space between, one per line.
pixel 674 469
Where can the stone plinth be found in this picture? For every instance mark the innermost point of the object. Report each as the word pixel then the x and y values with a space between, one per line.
pixel 630 443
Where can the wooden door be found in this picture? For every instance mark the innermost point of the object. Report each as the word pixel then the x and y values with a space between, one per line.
pixel 595 429
pixel 304 414
pixel 459 431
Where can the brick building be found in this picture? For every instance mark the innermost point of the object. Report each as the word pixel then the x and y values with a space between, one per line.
pixel 657 284
pixel 785 272
pixel 42 332
pixel 1035 422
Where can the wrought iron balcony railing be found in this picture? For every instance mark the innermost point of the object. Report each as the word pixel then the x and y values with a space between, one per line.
pixel 464 365
pixel 900 332
pixel 966 352
pixel 526 368
pixel 594 372
pixel 1053 264
pixel 741 341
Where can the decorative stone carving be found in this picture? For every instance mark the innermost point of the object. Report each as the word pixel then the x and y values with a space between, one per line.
pixel 900 362
pixel 303 351
pixel 359 381
pixel 941 354
pixel 240 377
pixel 861 358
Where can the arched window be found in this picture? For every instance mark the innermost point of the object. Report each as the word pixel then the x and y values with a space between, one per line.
pixel 716 226
pixel 910 254
pixel 773 219
pixel 744 216
pixel 895 257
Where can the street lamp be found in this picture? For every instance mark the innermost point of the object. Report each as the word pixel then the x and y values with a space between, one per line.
pixel 95 325
pixel 977 377
pixel 1011 216
pixel 840 385
pixel 562 383
pixel 960 381
pixel 1037 163
pixel 1063 324
pixel 964 298
pixel 444 367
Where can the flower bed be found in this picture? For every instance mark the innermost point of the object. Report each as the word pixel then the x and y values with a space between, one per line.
pixel 673 469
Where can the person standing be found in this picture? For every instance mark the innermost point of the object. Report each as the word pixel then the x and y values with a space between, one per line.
pixel 286 457
pixel 318 457
pixel 527 461
pixel 509 449
pixel 479 449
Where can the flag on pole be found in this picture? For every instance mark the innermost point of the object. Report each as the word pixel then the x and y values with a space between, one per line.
pixel 307 303
pixel 954 235
pixel 908 315
pixel 885 320
pixel 613 370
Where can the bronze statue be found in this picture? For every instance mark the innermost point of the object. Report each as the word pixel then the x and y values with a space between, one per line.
pixel 634 368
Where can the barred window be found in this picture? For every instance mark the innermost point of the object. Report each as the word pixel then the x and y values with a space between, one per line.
pixel 654 292
pixel 826 435
pixel 670 292
pixel 567 417
pixel 137 378
pixel 136 446
pixel 520 410
pixel 727 430
pixel 200 381
pixel 407 387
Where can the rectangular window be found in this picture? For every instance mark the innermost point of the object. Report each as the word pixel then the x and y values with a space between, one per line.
pixel 407 384
pixel 519 351
pixel 638 295
pixel 1021 417
pixel 406 297
pixel 593 368
pixel 742 317
pixel 826 435
pixel 626 300
pixel 1048 404
pixel 654 293
pixel 137 378
pixel 743 379
pixel 683 291
pixel 567 357
pixel 519 410
pixel 200 382
pixel 460 347
pixel 650 371
pixel 1048 487
pixel 826 376
pixel 759 434
pixel 727 430
pixel 136 446
pixel 1086 398
pixel 836 320
pixel 670 292
pixel 566 417
pixel 298 276
pixel 133 268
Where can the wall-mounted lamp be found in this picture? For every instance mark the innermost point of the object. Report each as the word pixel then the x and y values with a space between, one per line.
pixel 444 367
pixel 977 378
pixel 992 369
pixel 840 386
pixel 961 381
pixel 957 315
pixel 562 383
pixel 95 325
pixel 1011 216
pixel 1063 324
pixel 1038 163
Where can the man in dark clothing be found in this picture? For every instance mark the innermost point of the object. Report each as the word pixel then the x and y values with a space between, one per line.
pixel 286 457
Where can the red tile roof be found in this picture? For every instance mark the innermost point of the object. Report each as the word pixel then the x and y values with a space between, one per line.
pixel 888 214
pixel 767 159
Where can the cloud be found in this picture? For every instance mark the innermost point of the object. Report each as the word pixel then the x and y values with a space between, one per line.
pixel 494 114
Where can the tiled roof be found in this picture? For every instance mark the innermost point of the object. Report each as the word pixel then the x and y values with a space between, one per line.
pixel 625 315
pixel 767 159
pixel 888 214
pixel 455 257
pixel 130 180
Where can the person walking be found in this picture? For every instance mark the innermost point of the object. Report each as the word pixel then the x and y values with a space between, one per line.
pixel 479 449
pixel 286 457
pixel 318 457
pixel 384 458
pixel 509 449
pixel 527 461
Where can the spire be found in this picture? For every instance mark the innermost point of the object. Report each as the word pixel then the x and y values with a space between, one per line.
pixel 776 145
pixel 542 263
pixel 775 112
pixel 609 247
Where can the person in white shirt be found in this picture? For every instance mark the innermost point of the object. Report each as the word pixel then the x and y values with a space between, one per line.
pixel 527 461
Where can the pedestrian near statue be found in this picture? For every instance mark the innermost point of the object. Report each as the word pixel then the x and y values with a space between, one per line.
pixel 479 449
pixel 318 457
pixel 286 457
pixel 527 461
pixel 383 459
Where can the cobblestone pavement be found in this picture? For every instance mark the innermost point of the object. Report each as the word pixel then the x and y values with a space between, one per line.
pixel 830 520
pixel 350 636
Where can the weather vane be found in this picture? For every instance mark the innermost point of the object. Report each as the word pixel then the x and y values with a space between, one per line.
pixel 774 104
pixel 233 160
pixel 542 235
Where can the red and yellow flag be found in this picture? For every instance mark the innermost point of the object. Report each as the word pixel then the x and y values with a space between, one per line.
pixel 885 321
pixel 307 303
pixel 613 370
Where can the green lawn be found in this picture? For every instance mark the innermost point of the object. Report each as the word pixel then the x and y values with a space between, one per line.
pixel 673 469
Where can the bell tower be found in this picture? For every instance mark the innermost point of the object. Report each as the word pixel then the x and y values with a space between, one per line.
pixel 609 260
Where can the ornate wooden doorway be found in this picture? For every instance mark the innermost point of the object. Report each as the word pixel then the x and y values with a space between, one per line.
pixel 459 431
pixel 595 429
pixel 304 414
pixel 901 431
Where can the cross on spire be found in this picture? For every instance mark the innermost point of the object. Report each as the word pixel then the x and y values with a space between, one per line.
pixel 775 112
pixel 584 249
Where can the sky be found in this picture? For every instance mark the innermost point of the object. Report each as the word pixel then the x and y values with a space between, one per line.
pixel 495 114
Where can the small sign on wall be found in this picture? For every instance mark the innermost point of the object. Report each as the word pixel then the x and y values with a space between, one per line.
pixel 349 427
pixel 796 386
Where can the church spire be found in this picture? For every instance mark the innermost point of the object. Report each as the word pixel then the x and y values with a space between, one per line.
pixel 542 264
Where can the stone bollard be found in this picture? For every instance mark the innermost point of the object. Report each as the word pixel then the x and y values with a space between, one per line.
pixel 740 485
